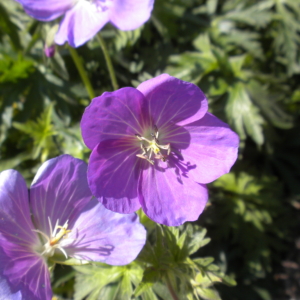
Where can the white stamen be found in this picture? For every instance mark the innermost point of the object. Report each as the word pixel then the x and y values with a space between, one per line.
pixel 153 148
pixel 53 242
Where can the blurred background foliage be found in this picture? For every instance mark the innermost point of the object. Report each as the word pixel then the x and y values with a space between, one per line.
pixel 245 55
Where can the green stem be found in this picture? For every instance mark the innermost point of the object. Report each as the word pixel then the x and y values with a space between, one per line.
pixel 171 290
pixel 78 62
pixel 110 67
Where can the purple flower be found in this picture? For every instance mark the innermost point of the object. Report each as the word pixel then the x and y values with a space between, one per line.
pixel 83 19
pixel 57 220
pixel 155 147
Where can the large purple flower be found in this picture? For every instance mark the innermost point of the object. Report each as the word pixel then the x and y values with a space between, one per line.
pixel 155 147
pixel 84 18
pixel 57 220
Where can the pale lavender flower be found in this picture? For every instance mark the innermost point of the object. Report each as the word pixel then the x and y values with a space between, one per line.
pixel 49 51
pixel 156 147
pixel 84 18
pixel 57 220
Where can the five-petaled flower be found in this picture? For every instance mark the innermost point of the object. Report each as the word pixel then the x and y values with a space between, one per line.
pixel 156 147
pixel 84 18
pixel 58 220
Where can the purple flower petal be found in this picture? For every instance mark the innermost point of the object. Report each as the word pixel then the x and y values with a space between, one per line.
pixel 172 100
pixel 109 237
pixel 26 271
pixel 6 290
pixel 81 23
pixel 46 10
pixel 59 191
pixel 113 115
pixel 212 149
pixel 113 174
pixel 130 14
pixel 15 221
pixel 168 197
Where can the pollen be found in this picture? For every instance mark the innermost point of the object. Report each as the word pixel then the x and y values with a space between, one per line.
pixel 153 148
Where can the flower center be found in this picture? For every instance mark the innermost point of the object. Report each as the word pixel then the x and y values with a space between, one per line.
pixel 153 148
pixel 53 242
pixel 102 5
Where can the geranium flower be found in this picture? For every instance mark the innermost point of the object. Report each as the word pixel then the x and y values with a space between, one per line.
pixel 156 147
pixel 83 19
pixel 57 220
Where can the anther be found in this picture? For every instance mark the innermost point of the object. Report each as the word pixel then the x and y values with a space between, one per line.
pixel 153 147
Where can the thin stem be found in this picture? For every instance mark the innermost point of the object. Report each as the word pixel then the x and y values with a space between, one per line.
pixel 110 67
pixel 84 77
pixel 171 290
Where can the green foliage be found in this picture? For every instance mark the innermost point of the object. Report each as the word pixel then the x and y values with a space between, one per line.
pixel 165 259
pixel 8 28
pixel 127 38
pixel 41 132
pixel 11 70
pixel 249 207
pixel 243 115
pixel 100 280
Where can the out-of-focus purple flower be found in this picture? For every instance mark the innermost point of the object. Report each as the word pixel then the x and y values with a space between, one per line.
pixel 83 19
pixel 155 147
pixel 58 219
pixel 49 51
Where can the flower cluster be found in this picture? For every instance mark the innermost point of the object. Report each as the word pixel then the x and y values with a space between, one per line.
pixel 58 220
pixel 156 147
pixel 83 18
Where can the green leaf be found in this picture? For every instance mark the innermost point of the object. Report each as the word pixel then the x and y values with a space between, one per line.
pixel 149 295
pixel 237 63
pixel 58 65
pixel 208 294
pixel 41 131
pixel 12 70
pixel 127 38
pixel 228 280
pixel 254 15
pixel 211 6
pixel 266 102
pixel 126 286
pixel 7 26
pixel 192 66
pixel 286 34
pixel 203 262
pixel 243 115
pixel 202 43
pixel 196 239
pixel 247 40
pixel 149 278
pixel 206 279
pixel 94 281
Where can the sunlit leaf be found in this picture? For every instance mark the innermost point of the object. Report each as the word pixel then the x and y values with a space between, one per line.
pixel 243 115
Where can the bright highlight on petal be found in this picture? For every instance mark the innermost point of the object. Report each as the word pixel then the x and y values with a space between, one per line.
pixel 81 23
pixel 83 19
pixel 156 146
